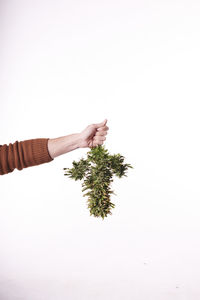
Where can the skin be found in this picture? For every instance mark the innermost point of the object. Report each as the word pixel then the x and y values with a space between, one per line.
pixel 92 136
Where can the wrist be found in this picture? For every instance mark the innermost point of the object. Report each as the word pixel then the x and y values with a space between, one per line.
pixel 77 140
pixel 82 143
pixel 71 142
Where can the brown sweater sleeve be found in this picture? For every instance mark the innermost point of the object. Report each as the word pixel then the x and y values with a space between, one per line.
pixel 23 154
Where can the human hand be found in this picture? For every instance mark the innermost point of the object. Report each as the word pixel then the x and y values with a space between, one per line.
pixel 93 135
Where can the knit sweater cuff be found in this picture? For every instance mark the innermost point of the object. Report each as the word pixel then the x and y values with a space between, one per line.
pixel 40 151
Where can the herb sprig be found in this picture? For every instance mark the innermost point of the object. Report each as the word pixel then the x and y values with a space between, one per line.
pixel 97 172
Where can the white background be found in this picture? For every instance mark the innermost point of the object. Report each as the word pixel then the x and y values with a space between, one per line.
pixel 65 65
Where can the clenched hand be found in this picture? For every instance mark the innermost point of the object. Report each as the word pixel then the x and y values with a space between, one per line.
pixel 94 135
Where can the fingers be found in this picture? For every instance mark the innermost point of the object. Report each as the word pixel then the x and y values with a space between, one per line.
pixel 99 137
pixel 99 140
pixel 99 133
pixel 101 124
pixel 96 143
pixel 104 128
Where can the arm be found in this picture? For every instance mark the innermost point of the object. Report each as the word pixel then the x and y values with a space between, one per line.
pixel 91 136
pixel 63 144
pixel 34 152
pixel 23 154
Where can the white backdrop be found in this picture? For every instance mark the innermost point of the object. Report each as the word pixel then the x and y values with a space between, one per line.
pixel 65 65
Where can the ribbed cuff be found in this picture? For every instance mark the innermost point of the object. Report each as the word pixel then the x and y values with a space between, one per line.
pixel 40 151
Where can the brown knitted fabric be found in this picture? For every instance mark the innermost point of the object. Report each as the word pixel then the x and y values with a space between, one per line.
pixel 23 154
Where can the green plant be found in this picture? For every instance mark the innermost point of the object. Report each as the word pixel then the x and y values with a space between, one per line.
pixel 97 171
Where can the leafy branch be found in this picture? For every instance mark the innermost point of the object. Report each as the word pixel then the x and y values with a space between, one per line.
pixel 97 173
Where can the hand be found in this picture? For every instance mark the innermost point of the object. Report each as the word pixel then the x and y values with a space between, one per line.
pixel 93 135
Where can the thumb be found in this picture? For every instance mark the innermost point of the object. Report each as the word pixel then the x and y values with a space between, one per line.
pixel 101 124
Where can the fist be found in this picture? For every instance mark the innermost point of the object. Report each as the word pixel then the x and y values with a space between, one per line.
pixel 93 135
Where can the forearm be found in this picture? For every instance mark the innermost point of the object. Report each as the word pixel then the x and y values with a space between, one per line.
pixel 63 144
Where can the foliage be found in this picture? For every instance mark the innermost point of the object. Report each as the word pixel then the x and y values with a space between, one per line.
pixel 97 172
